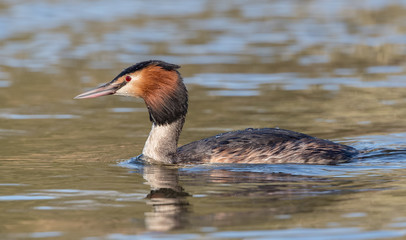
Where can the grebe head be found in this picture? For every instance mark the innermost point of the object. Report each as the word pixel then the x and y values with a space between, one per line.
pixel 157 82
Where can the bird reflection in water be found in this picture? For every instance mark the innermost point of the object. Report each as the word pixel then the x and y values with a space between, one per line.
pixel 170 202
pixel 167 198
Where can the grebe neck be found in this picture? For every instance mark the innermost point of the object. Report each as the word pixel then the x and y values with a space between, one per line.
pixel 162 142
pixel 166 98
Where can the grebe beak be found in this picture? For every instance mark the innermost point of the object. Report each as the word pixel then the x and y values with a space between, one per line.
pixel 106 89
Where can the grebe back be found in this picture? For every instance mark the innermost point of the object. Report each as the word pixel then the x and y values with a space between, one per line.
pixel 165 95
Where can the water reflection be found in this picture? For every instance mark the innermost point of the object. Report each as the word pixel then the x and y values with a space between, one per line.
pixel 171 206
pixel 167 198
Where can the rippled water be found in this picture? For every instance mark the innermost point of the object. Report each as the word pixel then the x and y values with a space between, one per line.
pixel 333 69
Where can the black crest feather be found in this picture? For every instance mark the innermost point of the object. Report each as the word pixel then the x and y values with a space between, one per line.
pixel 141 65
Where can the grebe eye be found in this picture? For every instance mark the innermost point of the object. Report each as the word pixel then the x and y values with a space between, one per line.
pixel 128 78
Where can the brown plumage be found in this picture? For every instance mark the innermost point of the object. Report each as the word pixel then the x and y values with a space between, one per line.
pixel 162 88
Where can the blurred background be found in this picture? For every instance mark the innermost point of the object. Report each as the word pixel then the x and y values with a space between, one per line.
pixel 333 69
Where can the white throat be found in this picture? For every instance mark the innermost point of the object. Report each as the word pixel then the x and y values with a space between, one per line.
pixel 162 142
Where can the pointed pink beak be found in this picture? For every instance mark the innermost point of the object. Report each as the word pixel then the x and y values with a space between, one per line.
pixel 106 89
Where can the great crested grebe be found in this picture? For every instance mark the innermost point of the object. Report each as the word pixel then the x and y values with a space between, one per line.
pixel 162 88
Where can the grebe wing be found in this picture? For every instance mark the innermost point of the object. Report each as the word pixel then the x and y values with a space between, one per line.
pixel 265 145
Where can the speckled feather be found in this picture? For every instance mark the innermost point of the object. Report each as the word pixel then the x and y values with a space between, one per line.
pixel 266 145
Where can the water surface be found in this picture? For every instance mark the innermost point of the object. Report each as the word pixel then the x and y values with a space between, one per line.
pixel 334 70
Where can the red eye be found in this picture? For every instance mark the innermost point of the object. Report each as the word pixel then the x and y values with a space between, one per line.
pixel 128 78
